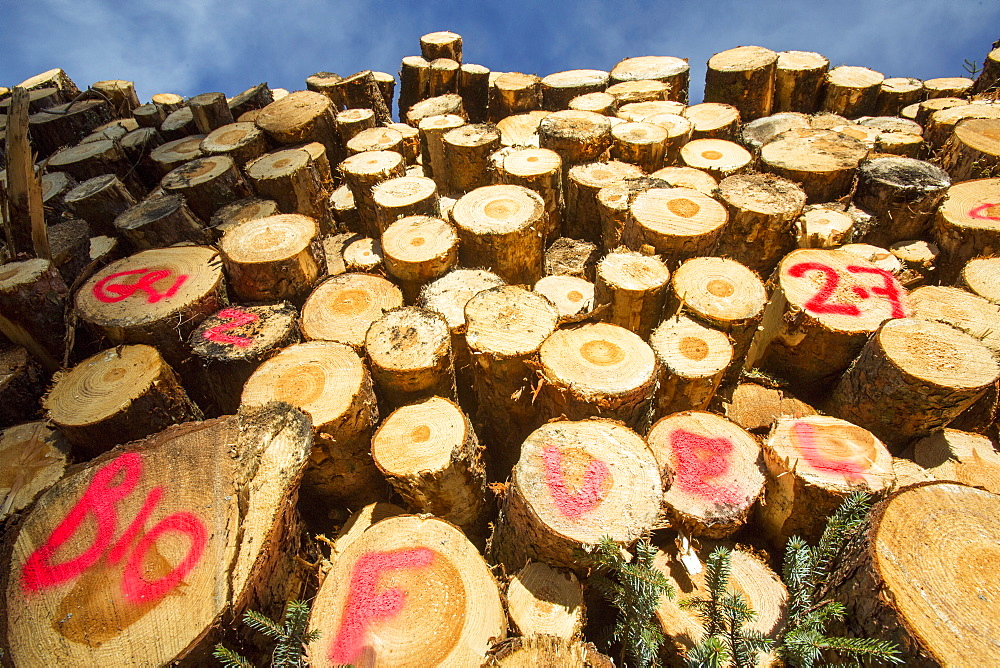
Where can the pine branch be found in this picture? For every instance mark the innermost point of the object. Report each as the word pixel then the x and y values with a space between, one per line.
pixel 229 658
pixel 842 527
pixel 863 648
pixel 711 652
pixel 262 624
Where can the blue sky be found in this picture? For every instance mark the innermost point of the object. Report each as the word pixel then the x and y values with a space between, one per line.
pixel 195 46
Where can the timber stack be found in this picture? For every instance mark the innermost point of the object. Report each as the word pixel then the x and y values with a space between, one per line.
pixel 534 312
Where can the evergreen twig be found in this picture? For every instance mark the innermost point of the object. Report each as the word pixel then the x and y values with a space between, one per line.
pixel 290 634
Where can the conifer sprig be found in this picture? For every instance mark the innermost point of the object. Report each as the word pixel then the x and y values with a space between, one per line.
pixel 290 634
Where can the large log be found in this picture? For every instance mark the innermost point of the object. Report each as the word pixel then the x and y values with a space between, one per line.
pixel 851 91
pixel 693 360
pixel 159 221
pixel 343 308
pixel 539 169
pixel 302 116
pixel 823 162
pixel 207 184
pixel 559 88
pixel 798 81
pixel 418 250
pixel 677 223
pixel 902 194
pixel 99 201
pixel 967 225
pixel 670 70
pixel 974 149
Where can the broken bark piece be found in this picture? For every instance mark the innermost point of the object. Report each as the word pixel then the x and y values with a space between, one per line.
pixel 22 383
pixel 32 307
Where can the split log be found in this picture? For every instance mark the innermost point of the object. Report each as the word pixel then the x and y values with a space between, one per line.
pixel 231 344
pixel 798 81
pixel 713 120
pixel 116 396
pixel 544 601
pixel 363 172
pixel 343 308
pixel 252 99
pixel 327 381
pixel 85 161
pixel 22 383
pixel 32 305
pixel 54 78
pixel 903 195
pixel 977 317
pixel 632 289
pixel 718 157
pixel 825 305
pixel 156 297
pixel 583 182
pixel 418 250
pixel 432 131
pixel 577 136
pixel 178 124
pixel 521 130
pixel 598 103
pixel 441 583
pixel 711 472
pixel 823 162
pixel 502 228
pixel 575 483
pixel 540 170
pixel 918 259
pixel 34 456
pixel 598 370
pixel 688 177
pixel 159 221
pixel 980 276
pixel 243 142
pixel 467 151
pixel 442 105
pixel 641 144
pixel 967 225
pixel 762 213
pixel 172 154
pixel 409 353
pixel 572 296
pixel 505 328
pixel 211 112
pixel 851 91
pixel 272 258
pixel 693 360
pixel 234 213
pixel 813 463
pixel 823 227
pixel 743 77
pixel 54 187
pixel 912 377
pixel 559 88
pixel 99 201
pixel 758 132
pixel 916 580
pixel 614 203
pixel 670 70
pixel 431 456
pixel 677 223
pixel 302 116
pixel 198 483
pixel 756 407
pixel 640 111
pixel 897 93
pixel 294 180
pixel 414 82
pixel 66 124
pixel 571 257
pixel 207 184
pixel 974 149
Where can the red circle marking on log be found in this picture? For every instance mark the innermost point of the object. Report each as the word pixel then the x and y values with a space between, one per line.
pixel 589 497
pixel 812 450
pixel 979 212
pixel 700 461
pixel 234 318
pixel 109 293
pixel 366 604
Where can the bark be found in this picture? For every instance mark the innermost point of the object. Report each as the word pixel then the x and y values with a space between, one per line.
pixel 743 77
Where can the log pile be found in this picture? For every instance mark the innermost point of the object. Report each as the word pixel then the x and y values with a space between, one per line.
pixel 536 311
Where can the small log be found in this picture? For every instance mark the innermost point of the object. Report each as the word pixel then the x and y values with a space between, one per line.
pixel 242 142
pixel 85 161
pixel 432 131
pixel 505 328
pixel 688 177
pixel 171 155
pixel 414 82
pixel 178 124
pixel 69 245
pixel 713 120
pixel 473 87
pixel 756 133
pixel 418 250
pixel 631 288
pixel 149 115
pixel 575 483
pixel 640 90
pixel 929 107
pixel 542 600
pixel 326 83
pixel 403 197
pixel 54 187
pixel 598 370
pixel 211 112
pixel 896 585
pixel 66 124
pixel 583 182
pixel 711 472
pixel 897 93
pixel 559 88
pixel 443 76
pixel 363 254
pixel 948 87
pixel 572 296
pixel 521 130
pixel 503 228
pixel 410 147
pixel 693 360
pixel 99 201
pixel 677 223
pixel 352 122
pixel 170 102
pixel 252 99
pixel 409 353
pixel 23 380
pixel 363 172
pixel 940 125
pixel 441 44
pixel 973 151
pixel 798 81
pixel 430 455
pixel 756 407
pixel 823 162
pixel 375 139
pixel 918 259
pixel 207 184
pixel 614 203
pixel 32 305
pixel 577 136
pixel 851 91
pixel 823 227
pixel 967 225
pixel 34 456
pixel 301 117
pixel 598 103
pixel 515 93
pixel 294 180
pixel 641 144
pixel 241 210
pixel 640 111
pixel 343 308
pixel 156 297
pixel 442 582
pixel 159 221
pixel 718 157
pixel 825 305
pixel 441 105
pixel 571 257
pixel 979 276
pixel 670 70
pixel 466 154
pixel 540 170
pixel 972 314
pixel 902 365
pixel 813 463
pixel 743 77
pixel 116 396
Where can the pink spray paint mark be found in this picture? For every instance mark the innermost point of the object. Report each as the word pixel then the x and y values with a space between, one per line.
pixel 135 588
pixel 569 504
pixel 818 303
pixel 890 288
pixel 979 211
pixel 700 461
pixel 234 318
pixel 366 604
pixel 109 293
pixel 808 443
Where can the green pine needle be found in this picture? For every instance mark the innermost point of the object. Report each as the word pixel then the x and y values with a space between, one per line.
pixel 229 658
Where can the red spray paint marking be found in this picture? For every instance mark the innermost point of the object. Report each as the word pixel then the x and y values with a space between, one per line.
pixel 979 212
pixel 701 459
pixel 100 499
pixel 366 604
pixel 569 504
pixel 818 303
pixel 890 289
pixel 109 292
pixel 234 318
pixel 812 451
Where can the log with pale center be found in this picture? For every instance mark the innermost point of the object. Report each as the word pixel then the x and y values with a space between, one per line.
pixel 271 259
pixel 343 307
pixel 677 223
pixel 632 288
pixel 693 360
